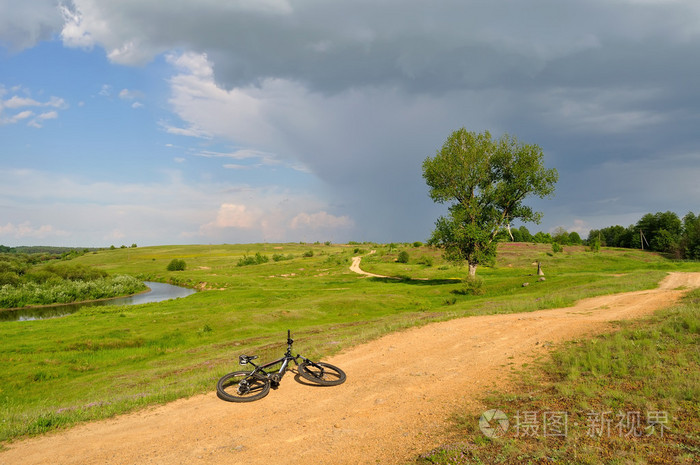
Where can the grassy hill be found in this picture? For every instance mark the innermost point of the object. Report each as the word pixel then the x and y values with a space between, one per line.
pixel 103 361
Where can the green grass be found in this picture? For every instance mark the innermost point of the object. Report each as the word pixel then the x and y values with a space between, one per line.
pixel 103 361
pixel 613 388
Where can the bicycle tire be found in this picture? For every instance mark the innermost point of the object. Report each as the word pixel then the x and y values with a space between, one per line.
pixel 227 387
pixel 328 375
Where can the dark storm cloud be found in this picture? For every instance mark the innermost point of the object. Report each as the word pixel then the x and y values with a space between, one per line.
pixel 606 87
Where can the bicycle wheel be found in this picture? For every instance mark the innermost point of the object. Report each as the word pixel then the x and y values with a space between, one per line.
pixel 321 373
pixel 240 386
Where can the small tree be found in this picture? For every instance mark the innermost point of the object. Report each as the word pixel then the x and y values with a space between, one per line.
pixel 574 238
pixel 561 236
pixel 525 234
pixel 485 181
pixel 177 265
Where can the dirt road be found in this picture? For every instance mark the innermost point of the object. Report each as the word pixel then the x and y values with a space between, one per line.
pixel 355 267
pixel 394 405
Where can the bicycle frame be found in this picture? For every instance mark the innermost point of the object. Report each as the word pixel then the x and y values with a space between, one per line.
pixel 275 376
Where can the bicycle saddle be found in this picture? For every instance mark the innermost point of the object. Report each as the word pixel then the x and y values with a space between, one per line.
pixel 244 359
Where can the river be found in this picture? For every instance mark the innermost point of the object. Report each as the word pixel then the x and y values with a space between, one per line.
pixel 158 293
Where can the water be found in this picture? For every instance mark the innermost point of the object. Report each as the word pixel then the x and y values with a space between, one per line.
pixel 158 293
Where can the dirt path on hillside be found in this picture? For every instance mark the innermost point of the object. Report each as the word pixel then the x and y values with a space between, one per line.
pixel 400 390
pixel 355 267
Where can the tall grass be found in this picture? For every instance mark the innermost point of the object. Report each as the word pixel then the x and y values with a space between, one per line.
pixel 67 291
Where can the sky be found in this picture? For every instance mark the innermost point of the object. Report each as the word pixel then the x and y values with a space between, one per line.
pixel 208 121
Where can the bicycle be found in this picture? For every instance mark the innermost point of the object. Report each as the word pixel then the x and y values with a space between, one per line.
pixel 247 386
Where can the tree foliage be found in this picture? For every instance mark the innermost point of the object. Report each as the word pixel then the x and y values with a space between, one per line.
pixel 485 182
pixel 659 232
pixel 177 265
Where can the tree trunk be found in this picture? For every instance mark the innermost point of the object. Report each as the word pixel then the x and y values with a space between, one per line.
pixel 472 270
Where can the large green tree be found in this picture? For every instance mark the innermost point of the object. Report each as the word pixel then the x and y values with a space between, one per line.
pixel 484 181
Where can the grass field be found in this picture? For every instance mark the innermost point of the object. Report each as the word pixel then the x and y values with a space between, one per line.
pixel 104 361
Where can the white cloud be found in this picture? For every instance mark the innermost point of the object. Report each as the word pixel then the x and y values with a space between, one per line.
pixel 27 230
pixel 19 102
pixel 38 121
pixel 17 117
pixel 235 216
pixel 176 211
pixel 74 32
pixel 127 94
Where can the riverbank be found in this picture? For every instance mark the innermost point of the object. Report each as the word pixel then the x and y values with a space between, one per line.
pixel 153 292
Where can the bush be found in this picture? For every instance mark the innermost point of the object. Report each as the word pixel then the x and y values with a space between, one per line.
pixel 556 247
pixel 308 254
pixel 9 278
pixel 426 260
pixel 74 272
pixel 177 265
pixel 472 286
pixel 403 257
pixel 257 259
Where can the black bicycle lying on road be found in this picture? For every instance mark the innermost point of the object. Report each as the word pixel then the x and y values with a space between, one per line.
pixel 247 386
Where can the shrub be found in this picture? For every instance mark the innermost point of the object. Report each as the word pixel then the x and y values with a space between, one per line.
pixel 417 244
pixel 556 247
pixel 403 257
pixel 10 278
pixel 74 272
pixel 257 259
pixel 308 254
pixel 426 260
pixel 177 265
pixel 472 286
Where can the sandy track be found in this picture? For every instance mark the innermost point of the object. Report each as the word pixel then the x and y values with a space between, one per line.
pixel 355 267
pixel 399 392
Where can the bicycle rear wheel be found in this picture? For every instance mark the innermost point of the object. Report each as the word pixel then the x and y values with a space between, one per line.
pixel 242 386
pixel 321 373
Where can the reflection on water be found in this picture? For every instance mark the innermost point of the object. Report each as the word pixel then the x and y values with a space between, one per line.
pixel 158 293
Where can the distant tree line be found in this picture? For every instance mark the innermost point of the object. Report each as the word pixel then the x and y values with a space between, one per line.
pixel 663 232
pixel 559 236
pixel 49 250
pixel 660 232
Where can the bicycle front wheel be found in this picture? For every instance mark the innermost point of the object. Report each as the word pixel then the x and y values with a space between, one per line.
pixel 321 373
pixel 242 386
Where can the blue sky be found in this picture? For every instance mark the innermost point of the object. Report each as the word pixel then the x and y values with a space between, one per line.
pixel 203 121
